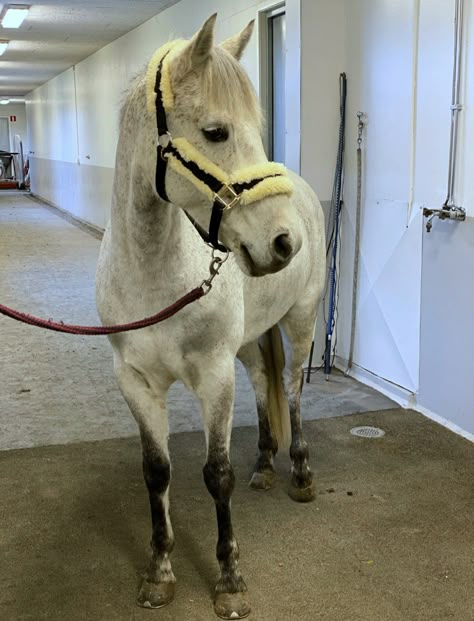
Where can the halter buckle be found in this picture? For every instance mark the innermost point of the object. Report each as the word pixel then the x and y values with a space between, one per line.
pixel 227 197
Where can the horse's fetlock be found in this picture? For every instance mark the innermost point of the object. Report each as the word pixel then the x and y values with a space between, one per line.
pixel 162 542
pixel 264 462
pixel 268 443
pixel 227 552
pixel 299 451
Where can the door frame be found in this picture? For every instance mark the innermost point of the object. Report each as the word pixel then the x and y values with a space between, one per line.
pixel 292 10
pixel 266 69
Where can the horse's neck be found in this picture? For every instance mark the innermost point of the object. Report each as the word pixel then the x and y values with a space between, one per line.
pixel 144 227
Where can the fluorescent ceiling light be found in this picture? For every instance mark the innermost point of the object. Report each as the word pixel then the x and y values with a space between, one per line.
pixel 3 45
pixel 4 102
pixel 14 15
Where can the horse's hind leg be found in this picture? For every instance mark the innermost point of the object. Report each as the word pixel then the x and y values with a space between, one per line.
pixel 149 410
pixel 216 393
pixel 298 328
pixel 264 472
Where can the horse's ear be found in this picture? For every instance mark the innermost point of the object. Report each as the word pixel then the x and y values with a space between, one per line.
pixel 196 54
pixel 236 45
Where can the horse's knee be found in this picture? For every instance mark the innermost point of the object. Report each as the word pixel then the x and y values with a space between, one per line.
pixel 157 475
pixel 156 470
pixel 219 478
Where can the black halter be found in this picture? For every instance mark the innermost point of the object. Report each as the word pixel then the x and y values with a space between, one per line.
pixel 225 195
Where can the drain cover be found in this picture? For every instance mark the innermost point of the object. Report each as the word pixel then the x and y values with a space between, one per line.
pixel 367 432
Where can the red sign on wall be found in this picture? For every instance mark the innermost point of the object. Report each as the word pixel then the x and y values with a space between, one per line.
pixel 13 118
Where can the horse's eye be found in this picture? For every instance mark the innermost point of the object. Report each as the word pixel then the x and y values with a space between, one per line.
pixel 216 134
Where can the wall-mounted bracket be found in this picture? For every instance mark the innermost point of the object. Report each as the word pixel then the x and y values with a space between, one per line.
pixel 445 213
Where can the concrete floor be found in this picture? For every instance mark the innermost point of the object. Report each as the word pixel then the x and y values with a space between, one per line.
pixel 389 536
pixel 59 388
pixel 75 528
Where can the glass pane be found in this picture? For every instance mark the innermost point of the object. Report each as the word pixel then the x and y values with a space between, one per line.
pixel 278 81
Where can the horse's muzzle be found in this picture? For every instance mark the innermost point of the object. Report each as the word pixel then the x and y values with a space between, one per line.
pixel 283 249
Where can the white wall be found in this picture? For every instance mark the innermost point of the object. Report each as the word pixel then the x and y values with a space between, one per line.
pixel 447 321
pixel 52 120
pixel 18 126
pixel 414 313
pixel 323 58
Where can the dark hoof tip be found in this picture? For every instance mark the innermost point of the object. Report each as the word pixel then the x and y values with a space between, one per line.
pixel 262 480
pixel 231 605
pixel 155 595
pixel 302 494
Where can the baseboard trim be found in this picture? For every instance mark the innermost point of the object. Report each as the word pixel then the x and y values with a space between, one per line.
pixel 397 393
pixel 400 395
pixel 87 227
pixel 444 422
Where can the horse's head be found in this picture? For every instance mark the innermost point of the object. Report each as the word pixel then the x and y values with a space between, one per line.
pixel 214 119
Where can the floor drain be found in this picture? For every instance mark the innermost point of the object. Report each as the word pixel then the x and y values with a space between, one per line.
pixel 367 432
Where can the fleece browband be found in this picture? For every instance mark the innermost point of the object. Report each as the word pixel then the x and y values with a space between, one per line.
pixel 246 185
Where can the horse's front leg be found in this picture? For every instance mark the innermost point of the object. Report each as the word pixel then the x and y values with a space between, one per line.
pixel 217 400
pixel 149 410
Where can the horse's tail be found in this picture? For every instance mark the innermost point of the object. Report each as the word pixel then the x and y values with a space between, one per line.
pixel 278 410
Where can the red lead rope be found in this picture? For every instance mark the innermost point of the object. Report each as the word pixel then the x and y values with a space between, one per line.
pixel 166 313
pixel 206 285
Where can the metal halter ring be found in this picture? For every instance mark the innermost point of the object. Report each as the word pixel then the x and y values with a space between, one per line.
pixel 164 140
pixel 227 196
pixel 214 268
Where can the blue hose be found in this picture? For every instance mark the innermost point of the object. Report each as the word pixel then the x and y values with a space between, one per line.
pixel 335 213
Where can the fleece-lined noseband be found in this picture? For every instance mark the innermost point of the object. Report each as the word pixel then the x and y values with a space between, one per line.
pixel 225 191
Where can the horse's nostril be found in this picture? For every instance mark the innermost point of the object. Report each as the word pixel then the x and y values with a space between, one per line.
pixel 282 246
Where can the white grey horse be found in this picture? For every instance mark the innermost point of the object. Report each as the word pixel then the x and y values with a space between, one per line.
pixel 261 309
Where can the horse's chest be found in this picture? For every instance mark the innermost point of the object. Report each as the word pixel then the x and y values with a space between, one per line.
pixel 179 347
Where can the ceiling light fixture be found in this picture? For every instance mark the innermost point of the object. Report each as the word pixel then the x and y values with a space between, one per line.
pixel 13 15
pixel 4 102
pixel 3 45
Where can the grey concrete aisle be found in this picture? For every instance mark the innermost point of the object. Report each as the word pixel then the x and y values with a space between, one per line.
pixel 389 537
pixel 57 388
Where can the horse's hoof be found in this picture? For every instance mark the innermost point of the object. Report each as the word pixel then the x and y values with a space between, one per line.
pixel 262 480
pixel 155 594
pixel 231 605
pixel 302 494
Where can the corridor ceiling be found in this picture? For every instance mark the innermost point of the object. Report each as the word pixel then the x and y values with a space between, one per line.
pixel 57 34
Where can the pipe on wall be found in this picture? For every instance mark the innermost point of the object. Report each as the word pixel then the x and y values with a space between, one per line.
pixel 414 103
pixel 449 209
pixel 456 106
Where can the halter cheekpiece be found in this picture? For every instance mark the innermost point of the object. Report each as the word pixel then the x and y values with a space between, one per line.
pixel 246 186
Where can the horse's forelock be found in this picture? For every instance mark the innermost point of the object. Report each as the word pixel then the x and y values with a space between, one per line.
pixel 227 87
